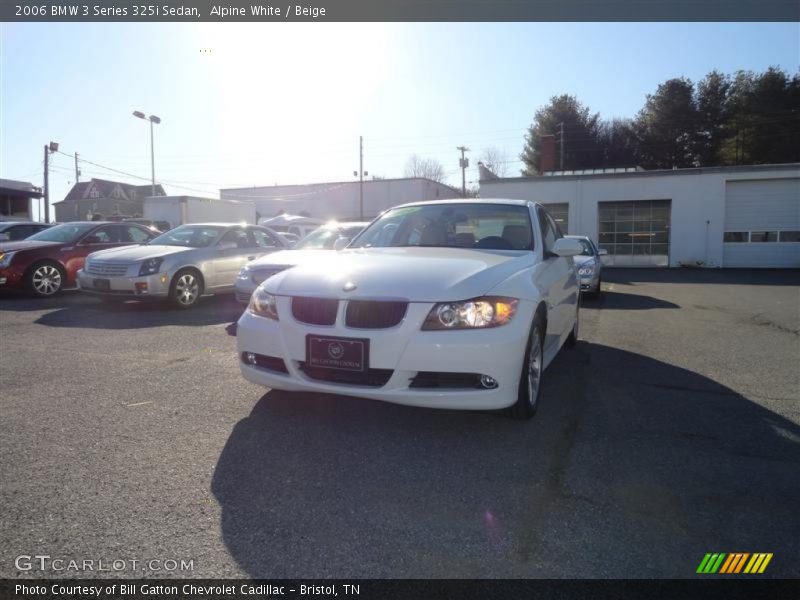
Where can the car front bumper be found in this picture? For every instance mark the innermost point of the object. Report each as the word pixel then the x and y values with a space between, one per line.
pixel 149 286
pixel 590 283
pixel 244 288
pixel 404 350
pixel 11 277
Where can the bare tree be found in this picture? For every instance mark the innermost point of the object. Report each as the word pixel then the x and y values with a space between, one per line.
pixel 430 168
pixel 496 160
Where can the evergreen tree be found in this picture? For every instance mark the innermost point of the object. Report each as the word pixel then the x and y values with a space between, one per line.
pixel 581 144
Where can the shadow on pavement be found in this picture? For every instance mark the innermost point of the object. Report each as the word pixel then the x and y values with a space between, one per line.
pixel 609 300
pixel 21 302
pixel 631 276
pixel 94 313
pixel 631 468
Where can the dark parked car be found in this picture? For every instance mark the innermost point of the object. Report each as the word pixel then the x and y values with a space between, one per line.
pixel 48 261
pixel 162 226
pixel 11 231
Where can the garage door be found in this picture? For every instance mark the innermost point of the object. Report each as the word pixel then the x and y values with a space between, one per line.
pixel 635 233
pixel 560 213
pixel 762 223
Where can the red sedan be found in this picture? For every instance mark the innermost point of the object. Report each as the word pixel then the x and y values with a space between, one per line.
pixel 48 261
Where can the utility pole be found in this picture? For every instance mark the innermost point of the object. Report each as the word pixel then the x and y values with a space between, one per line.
pixel 77 170
pixel 561 144
pixel 361 177
pixel 46 184
pixel 463 163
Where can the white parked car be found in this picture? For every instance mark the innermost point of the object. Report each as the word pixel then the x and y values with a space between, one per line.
pixel 456 304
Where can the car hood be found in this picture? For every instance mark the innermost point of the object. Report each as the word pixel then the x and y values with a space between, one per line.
pixel 137 253
pixel 26 245
pixel 582 260
pixel 414 274
pixel 288 258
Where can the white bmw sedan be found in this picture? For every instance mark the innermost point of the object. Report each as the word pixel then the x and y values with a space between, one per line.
pixel 458 304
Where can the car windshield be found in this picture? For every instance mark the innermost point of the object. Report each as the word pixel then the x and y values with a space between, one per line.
pixel 588 249
pixel 66 232
pixel 321 239
pixel 191 236
pixel 480 226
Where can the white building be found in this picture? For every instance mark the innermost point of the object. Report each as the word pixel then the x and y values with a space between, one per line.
pixel 742 216
pixel 340 200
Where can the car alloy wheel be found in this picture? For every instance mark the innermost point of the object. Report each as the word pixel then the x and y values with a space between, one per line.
pixel 187 289
pixel 535 367
pixel 46 280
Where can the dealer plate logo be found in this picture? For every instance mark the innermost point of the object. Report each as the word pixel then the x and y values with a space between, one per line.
pixel 335 350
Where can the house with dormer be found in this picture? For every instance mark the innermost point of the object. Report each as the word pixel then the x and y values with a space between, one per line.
pixel 102 199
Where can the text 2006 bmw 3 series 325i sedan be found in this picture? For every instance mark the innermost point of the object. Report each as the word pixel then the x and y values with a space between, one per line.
pixel 451 304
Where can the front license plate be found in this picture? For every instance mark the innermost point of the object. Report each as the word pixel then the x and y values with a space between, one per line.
pixel 102 284
pixel 344 354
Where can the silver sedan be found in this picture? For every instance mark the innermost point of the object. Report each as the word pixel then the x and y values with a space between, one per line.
pixel 333 236
pixel 182 264
pixel 589 265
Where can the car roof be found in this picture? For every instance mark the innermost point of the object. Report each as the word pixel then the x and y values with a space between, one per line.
pixel 10 223
pixel 229 224
pixel 506 201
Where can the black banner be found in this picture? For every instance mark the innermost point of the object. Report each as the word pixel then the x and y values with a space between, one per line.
pixel 399 10
pixel 733 588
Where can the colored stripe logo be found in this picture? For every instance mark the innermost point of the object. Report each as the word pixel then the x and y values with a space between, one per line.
pixel 733 563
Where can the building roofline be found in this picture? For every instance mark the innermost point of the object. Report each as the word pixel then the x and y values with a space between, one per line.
pixel 653 173
pixel 337 183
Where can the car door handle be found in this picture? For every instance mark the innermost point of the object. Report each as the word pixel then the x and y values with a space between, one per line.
pixel 251 258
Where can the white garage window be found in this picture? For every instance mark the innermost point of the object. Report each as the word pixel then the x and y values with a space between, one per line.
pixel 763 236
pixel 790 236
pixel 736 237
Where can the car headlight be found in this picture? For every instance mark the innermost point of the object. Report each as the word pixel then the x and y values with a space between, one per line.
pixel 5 258
pixel 263 304
pixel 244 272
pixel 586 270
pixel 150 266
pixel 478 313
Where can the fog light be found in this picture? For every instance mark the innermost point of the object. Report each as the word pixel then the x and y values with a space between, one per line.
pixel 141 287
pixel 250 358
pixel 488 382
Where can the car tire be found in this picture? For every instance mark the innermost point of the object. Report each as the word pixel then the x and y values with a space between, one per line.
pixel 45 279
pixel 530 379
pixel 186 288
pixel 572 339
pixel 599 289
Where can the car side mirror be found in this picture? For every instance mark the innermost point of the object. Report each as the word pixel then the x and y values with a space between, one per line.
pixel 341 243
pixel 227 246
pixel 567 247
pixel 602 252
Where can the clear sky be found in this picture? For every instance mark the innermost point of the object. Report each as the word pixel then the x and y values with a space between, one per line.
pixel 258 104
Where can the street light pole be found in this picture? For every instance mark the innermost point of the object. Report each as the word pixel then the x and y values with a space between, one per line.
pixel 152 162
pixel 154 120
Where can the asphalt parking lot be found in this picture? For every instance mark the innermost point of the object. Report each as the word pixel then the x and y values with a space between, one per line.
pixel 672 430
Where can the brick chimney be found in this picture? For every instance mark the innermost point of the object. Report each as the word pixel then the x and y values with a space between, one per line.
pixel 547 162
